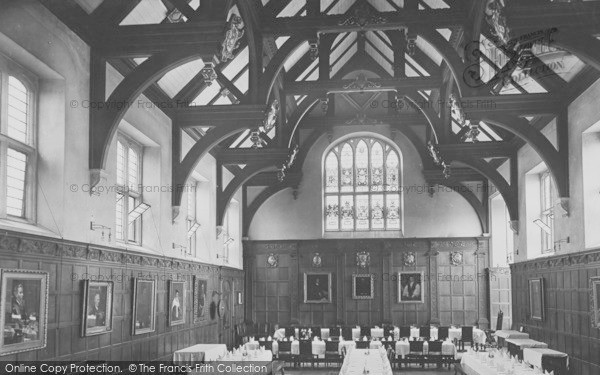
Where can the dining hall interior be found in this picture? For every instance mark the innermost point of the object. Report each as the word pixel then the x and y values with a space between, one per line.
pixel 304 187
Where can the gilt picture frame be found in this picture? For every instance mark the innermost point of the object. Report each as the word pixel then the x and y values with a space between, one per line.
pixel 411 287
pixel 363 286
pixel 177 302
pixel 144 306
pixel 536 299
pixel 96 312
pixel 317 287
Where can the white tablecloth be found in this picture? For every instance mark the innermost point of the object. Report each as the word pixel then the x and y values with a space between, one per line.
pixel 480 364
pixel 527 343
pixel 349 344
pixel 510 334
pixel 453 333
pixel 403 348
pixel 318 347
pixel 198 353
pixel 357 360
pixel 533 356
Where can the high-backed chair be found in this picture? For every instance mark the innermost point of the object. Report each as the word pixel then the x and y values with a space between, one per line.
pixel 388 330
pixel 306 355
pixel 285 352
pixel 347 333
pixel 334 333
pixel 404 332
pixel 415 354
pixel 425 332
pixel 365 331
pixel 332 352
pixel 443 333
pixel 466 336
pixel 315 332
pixel 434 354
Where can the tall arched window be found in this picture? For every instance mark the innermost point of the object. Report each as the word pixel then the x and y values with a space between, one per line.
pixel 362 186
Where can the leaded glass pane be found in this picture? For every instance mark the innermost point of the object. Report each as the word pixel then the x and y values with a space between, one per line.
pixel 391 170
pixel 347 212
pixel 16 168
pixel 332 207
pixel 347 168
pixel 377 220
pixel 362 212
pixel 362 167
pixel 393 211
pixel 377 167
pixel 331 173
pixel 120 164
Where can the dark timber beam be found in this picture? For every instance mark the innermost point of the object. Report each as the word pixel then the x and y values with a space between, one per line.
pixel 348 85
pixel 517 104
pixel 224 197
pixel 252 155
pixel 145 40
pixel 402 119
pixel 477 150
pixel 437 18
pixel 243 115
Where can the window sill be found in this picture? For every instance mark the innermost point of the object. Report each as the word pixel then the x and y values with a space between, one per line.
pixel 23 226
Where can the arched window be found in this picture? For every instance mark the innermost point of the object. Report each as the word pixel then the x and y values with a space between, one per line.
pixel 362 186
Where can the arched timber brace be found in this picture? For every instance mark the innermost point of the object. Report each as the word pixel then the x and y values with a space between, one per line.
pixel 508 191
pixel 479 207
pixel 224 197
pixel 557 161
pixel 276 65
pixel 105 119
pixel 261 198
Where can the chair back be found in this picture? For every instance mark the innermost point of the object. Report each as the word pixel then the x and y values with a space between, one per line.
pixel 315 332
pixel 404 331
pixel 499 320
pixel 365 331
pixel 435 346
pixel 443 333
pixel 362 344
pixel 347 333
pixel 290 331
pixel 305 347
pixel 285 346
pixel 425 332
pixel 334 332
pixel 269 344
pixel 416 346
pixel 388 331
pixel 467 333
pixel 332 346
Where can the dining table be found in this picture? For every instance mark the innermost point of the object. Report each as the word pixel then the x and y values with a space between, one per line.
pixel 318 347
pixel 199 353
pixel 454 333
pixel 403 348
pixel 252 362
pixel 480 363
pixel 502 335
pixel 366 361
pixel 516 346
pixel 547 359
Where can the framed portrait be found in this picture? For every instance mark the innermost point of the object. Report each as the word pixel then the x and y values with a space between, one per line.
pixel 201 303
pixel 317 287
pixel 239 298
pixel 363 286
pixel 144 306
pixel 96 315
pixel 410 287
pixel 176 302
pixel 536 298
pixel 24 310
pixel 595 301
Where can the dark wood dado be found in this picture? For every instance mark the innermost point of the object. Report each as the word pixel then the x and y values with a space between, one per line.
pixel 567 326
pixel 454 294
pixel 68 263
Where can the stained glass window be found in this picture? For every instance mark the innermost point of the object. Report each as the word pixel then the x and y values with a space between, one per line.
pixel 362 186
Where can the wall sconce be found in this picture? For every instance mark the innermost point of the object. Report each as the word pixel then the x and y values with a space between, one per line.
pixel 228 241
pixel 193 230
pixel 560 242
pixel 103 228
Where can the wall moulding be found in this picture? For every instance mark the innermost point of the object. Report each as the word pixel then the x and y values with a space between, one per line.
pixel 47 248
pixel 584 258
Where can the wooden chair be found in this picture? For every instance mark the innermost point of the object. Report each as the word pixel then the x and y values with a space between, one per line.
pixel 388 331
pixel 285 352
pixel 268 344
pixel 443 333
pixel 434 355
pixel 334 333
pixel 365 331
pixel 290 331
pixel 332 353
pixel 404 332
pixel 306 354
pixel 425 332
pixel 415 354
pixel 347 333
pixel 466 336
pixel 315 332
